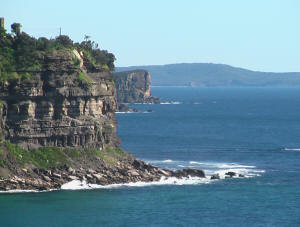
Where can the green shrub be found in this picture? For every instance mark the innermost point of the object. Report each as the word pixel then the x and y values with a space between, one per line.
pixel 84 78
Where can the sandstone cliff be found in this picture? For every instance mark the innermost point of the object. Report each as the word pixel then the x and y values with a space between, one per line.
pixel 134 87
pixel 61 107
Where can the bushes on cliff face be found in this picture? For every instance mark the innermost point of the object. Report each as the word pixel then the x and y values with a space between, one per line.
pixel 21 52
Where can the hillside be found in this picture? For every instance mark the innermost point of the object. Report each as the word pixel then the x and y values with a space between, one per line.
pixel 208 74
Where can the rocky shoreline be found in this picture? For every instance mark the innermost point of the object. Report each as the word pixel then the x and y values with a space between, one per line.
pixel 123 172
pixel 131 171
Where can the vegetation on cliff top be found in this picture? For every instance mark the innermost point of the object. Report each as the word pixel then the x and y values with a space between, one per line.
pixel 54 157
pixel 21 53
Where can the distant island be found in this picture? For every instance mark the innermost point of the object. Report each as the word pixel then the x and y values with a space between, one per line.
pixel 209 74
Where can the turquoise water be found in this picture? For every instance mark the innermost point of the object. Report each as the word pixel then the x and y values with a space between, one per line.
pixel 255 131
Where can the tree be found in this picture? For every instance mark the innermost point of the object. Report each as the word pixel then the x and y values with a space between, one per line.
pixel 64 41
pixel 87 37
pixel 16 28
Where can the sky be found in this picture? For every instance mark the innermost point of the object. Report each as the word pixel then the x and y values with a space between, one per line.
pixel 261 35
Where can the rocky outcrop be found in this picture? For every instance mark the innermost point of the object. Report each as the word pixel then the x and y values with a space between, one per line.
pixel 128 170
pixel 134 87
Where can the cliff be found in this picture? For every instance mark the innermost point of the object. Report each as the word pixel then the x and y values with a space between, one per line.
pixel 57 107
pixel 134 87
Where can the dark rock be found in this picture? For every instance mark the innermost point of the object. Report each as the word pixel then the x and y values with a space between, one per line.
pixel 230 174
pixel 241 175
pixel 122 107
pixel 137 164
pixel 189 172
pixel 215 176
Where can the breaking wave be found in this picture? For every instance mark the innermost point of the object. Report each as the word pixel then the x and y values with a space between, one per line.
pixel 82 185
pixel 171 103
pixel 211 168
pixel 292 149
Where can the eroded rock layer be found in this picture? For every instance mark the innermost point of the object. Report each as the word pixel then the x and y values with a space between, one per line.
pixel 60 109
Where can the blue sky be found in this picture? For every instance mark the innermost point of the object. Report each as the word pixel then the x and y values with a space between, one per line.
pixel 260 35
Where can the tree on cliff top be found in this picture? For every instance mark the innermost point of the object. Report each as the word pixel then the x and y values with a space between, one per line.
pixel 16 28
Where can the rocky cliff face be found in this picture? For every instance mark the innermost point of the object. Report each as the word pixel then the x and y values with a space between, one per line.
pixel 60 106
pixel 134 87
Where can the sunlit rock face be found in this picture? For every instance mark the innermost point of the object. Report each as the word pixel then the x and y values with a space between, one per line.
pixel 57 108
pixel 134 87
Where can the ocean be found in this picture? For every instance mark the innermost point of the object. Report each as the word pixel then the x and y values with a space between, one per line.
pixel 252 131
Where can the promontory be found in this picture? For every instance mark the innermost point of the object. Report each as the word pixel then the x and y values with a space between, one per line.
pixel 57 116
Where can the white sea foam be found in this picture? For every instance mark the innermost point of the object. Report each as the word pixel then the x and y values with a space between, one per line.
pixel 292 149
pixel 220 165
pixel 170 103
pixel 123 112
pixel 209 168
pixel 18 191
pixel 181 166
pixel 82 185
pixel 130 112
pixel 220 168
pixel 234 166
pixel 197 163
pixel 13 191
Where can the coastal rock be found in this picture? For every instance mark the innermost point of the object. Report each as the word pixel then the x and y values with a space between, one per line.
pixel 189 172
pixel 165 172
pixel 46 178
pixel 72 178
pixel 97 176
pixel 134 87
pixel 215 176
pixel 230 174
pixel 133 173
pixel 56 175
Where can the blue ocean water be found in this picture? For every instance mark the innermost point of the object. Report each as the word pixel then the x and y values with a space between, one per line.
pixel 255 131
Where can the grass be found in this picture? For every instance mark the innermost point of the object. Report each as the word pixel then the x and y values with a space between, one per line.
pixel 2 163
pixel 84 78
pixel 54 157
pixel 118 152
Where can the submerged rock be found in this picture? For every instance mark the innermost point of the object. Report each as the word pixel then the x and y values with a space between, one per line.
pixel 230 174
pixel 215 176
pixel 189 172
